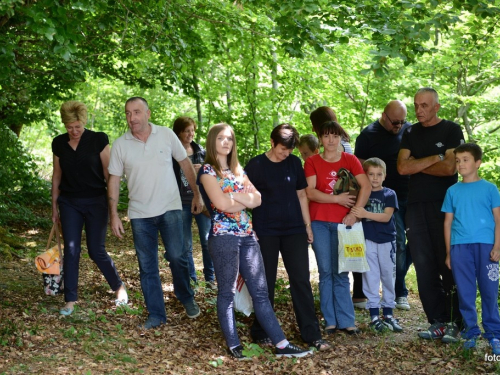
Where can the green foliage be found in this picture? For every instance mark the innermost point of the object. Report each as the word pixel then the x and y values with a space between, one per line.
pixel 20 187
pixel 252 350
pixel 250 63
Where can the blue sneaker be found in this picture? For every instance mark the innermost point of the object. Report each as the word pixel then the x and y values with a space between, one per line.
pixel 470 343
pixel 495 346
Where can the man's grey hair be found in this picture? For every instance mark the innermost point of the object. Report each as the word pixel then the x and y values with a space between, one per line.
pixel 134 98
pixel 425 90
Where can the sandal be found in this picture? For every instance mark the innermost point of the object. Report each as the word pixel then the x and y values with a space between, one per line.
pixel 320 345
pixel 66 311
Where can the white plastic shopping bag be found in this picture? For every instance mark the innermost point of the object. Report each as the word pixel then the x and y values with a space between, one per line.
pixel 242 299
pixel 352 249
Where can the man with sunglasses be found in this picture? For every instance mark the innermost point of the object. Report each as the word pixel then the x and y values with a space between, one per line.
pixel 382 139
pixel 426 155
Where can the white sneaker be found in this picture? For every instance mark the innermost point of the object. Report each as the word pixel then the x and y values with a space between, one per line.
pixel 360 305
pixel 402 303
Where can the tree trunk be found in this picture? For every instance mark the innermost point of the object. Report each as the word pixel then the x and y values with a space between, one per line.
pixel 16 128
pixel 274 75
pixel 463 108
pixel 198 100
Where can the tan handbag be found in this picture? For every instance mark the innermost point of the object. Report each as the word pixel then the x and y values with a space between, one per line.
pixel 50 261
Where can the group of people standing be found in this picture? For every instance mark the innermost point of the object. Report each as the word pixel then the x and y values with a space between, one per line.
pixel 292 207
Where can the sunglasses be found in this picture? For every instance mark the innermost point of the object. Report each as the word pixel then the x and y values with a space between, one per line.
pixel 394 123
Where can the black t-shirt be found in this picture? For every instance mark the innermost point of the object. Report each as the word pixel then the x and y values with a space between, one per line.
pixel 82 173
pixel 375 141
pixel 427 141
pixel 280 212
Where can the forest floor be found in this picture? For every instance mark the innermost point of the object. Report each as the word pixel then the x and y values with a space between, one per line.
pixel 99 338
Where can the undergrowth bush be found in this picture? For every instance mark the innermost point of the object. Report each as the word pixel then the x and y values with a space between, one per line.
pixel 22 192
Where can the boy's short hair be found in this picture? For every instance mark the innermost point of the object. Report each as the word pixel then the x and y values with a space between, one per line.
pixel 310 141
pixel 472 148
pixel 374 162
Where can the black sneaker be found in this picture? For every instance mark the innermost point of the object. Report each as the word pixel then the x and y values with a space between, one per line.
pixel 377 326
pixel 266 342
pixel 435 331
pixel 150 323
pixel 292 351
pixel 451 333
pixel 237 353
pixel 192 309
pixel 392 324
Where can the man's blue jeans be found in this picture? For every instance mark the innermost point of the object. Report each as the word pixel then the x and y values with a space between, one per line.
pixel 145 233
pixel 403 257
pixel 334 288
pixel 203 223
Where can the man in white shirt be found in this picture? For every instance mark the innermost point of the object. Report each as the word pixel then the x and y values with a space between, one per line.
pixel 144 155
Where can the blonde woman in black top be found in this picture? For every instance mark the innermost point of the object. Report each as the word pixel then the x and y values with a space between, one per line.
pixel 80 171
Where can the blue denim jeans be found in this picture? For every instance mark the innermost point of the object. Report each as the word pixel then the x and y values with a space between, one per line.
pixel 233 254
pixel 334 289
pixel 203 223
pixel 145 233
pixel 403 257
pixel 74 214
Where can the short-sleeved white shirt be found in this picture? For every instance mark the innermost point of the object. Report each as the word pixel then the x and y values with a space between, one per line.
pixel 148 169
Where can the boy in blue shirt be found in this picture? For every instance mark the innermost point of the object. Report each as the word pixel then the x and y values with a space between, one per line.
pixel 380 234
pixel 472 235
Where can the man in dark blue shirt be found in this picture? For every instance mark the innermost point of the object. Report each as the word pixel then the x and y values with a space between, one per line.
pixel 382 139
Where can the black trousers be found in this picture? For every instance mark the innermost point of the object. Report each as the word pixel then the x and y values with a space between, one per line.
pixel 436 286
pixel 295 257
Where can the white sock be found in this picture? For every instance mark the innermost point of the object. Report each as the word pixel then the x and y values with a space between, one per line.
pixel 282 344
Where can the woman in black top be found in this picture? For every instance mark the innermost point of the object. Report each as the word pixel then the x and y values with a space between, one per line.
pixel 80 171
pixel 185 128
pixel 283 225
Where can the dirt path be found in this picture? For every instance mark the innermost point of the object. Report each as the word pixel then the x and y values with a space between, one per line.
pixel 101 339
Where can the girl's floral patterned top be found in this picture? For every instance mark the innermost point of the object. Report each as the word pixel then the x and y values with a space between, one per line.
pixel 223 223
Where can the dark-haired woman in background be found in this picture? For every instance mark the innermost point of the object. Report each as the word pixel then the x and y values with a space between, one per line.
pixel 283 225
pixel 185 128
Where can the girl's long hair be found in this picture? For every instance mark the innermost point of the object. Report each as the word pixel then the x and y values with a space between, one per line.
pixel 211 147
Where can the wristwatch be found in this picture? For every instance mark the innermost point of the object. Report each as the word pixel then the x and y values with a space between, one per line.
pixel 441 157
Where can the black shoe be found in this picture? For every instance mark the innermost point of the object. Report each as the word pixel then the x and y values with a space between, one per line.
pixel 237 353
pixel 151 323
pixel 292 351
pixel 331 331
pixel 352 332
pixel 393 324
pixel 266 342
pixel 451 333
pixel 378 326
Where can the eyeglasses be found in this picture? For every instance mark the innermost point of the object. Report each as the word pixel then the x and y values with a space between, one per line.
pixel 394 123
